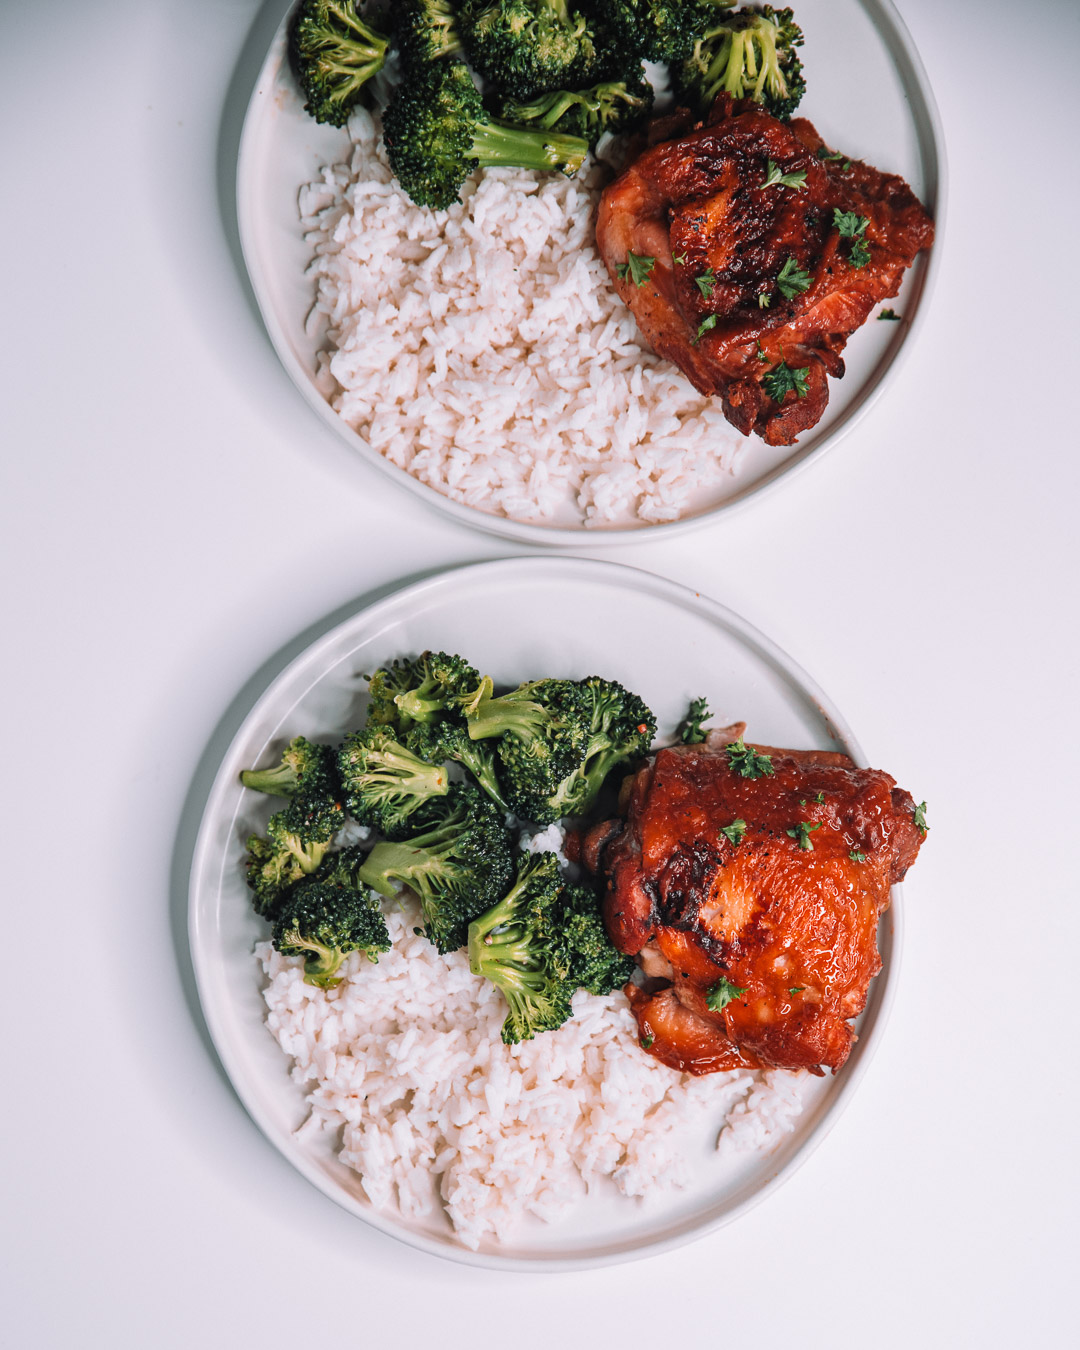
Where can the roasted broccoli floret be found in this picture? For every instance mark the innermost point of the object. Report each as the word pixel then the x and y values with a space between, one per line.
pixel 433 684
pixel 458 865
pixel 293 849
pixel 659 30
pixel 323 923
pixel 446 738
pixel 437 133
pixel 614 106
pixel 543 733
pixel 517 946
pixel 594 963
pixel 384 783
pixel 303 766
pixel 749 54
pixel 383 689
pixel 425 30
pixel 621 727
pixel 528 47
pixel 333 54
pixel 541 942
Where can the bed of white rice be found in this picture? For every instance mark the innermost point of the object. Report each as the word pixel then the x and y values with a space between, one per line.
pixel 437 1115
pixel 484 350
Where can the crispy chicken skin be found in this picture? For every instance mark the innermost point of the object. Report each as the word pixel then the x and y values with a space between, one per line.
pixel 700 198
pixel 794 927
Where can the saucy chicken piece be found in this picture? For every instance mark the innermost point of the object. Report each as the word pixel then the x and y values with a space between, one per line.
pixel 752 903
pixel 782 286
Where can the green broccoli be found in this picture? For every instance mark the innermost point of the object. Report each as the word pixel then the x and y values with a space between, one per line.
pixel 595 965
pixel 425 30
pixel 437 133
pixel 614 106
pixel 516 946
pixel 433 683
pixel 323 923
pixel 458 865
pixel 333 55
pixel 529 47
pixel 659 30
pixel 304 767
pixel 383 689
pixel 539 944
pixel 385 784
pixel 543 733
pixel 291 851
pixel 750 54
pixel 621 727
pixel 446 738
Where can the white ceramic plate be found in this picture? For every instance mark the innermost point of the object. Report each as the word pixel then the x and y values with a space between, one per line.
pixel 868 95
pixel 516 619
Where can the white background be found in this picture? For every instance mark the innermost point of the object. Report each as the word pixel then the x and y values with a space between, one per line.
pixel 177 524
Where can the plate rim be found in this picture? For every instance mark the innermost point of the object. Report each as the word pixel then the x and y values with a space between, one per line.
pixel 238 1072
pixel 927 125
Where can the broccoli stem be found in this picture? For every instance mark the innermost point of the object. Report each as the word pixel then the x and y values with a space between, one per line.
pixel 279 781
pixel 496 144
pixel 489 716
pixel 402 861
pixel 328 960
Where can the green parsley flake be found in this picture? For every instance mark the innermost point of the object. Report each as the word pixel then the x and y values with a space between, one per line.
pixel 819 797
pixel 920 819
pixel 706 283
pixel 706 324
pixel 802 832
pixel 646 1042
pixel 679 258
pixel 722 993
pixel 637 269
pixel 781 380
pixel 764 299
pixel 856 856
pixel 889 314
pixel 690 732
pixel 848 223
pixel 792 280
pixel 822 153
pixel 796 988
pixel 734 832
pixel 774 178
pixel 859 254
pixel 746 762
pixel 761 351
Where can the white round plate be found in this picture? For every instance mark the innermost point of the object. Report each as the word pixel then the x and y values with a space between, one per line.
pixel 516 619
pixel 867 94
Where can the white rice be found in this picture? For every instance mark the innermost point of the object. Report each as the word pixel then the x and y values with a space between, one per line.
pixel 484 350
pixel 436 1113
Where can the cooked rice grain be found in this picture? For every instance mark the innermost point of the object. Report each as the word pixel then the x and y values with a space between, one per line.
pixel 484 350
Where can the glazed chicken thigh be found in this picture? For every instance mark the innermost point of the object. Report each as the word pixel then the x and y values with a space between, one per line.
pixel 749 883
pixel 753 281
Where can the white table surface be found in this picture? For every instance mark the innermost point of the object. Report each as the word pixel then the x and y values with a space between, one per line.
pixel 176 522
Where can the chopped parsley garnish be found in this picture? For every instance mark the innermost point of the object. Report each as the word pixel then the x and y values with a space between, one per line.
pixel 889 314
pixel 764 299
pixel 774 178
pixel 706 282
pixel 646 1042
pixel 636 268
pixel 792 280
pixel 859 254
pixel 796 988
pixel 822 153
pixel 856 856
pixel 848 223
pixel 722 993
pixel 690 732
pixel 802 832
pixel 746 762
pixel 735 832
pixel 761 351
pixel 706 324
pixel 679 258
pixel 782 379
pixel 920 819
pixel 819 797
